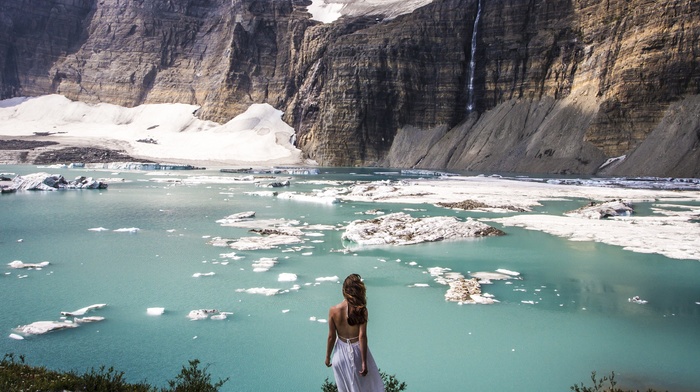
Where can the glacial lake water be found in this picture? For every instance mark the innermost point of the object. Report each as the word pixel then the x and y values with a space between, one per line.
pixel 580 319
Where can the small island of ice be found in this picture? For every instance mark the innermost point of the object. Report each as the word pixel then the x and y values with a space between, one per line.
pixel 402 229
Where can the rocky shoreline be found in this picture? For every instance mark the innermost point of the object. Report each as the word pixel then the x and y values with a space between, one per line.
pixel 39 151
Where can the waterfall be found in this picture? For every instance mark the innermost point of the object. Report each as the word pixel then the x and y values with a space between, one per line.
pixel 472 60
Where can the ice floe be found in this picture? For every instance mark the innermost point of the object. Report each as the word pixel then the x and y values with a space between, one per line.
pixel 82 311
pixel 402 229
pixel 334 278
pixel 637 300
pixel 52 182
pixel 42 327
pixel 16 337
pixel 203 314
pixel 98 229
pixel 256 243
pixel 200 274
pixel 264 264
pixel 603 210
pixel 18 264
pixel 236 218
pixel 260 290
pixel 287 277
pixel 132 230
pixel 673 237
pixel 155 311
pixel 308 198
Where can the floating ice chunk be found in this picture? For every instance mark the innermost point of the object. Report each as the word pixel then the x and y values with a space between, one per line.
pixel 98 229
pixel 89 319
pixel 155 311
pixel 322 320
pixel 307 253
pixel 328 279
pixel 200 274
pixel 236 218
pixel 42 327
pixel 200 314
pixel 402 229
pixel 267 242
pixel 19 264
pixel 508 272
pixel 637 300
pixel 84 310
pixel 603 210
pixel 489 276
pixel 231 255
pixel 264 264
pixel 528 302
pixel 285 310
pixel 308 198
pixel 132 230
pixel 312 318
pixel 16 337
pixel 221 316
pixel 419 285
pixel 262 193
pixel 261 290
pixel 287 277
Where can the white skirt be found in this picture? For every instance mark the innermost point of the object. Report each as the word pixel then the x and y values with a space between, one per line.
pixel 347 363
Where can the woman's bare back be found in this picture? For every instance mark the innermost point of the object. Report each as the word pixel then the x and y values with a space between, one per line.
pixel 339 317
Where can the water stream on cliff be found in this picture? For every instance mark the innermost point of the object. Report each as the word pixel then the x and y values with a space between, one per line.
pixel 569 315
pixel 472 59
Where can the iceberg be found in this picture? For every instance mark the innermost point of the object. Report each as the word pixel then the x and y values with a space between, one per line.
pixel 264 264
pixel 287 277
pixel 200 274
pixel 42 327
pixel 82 311
pixel 334 278
pixel 267 242
pixel 402 229
pixel 132 230
pixel 155 311
pixel 260 290
pixel 19 264
pixel 16 337
pixel 201 314
pixel 602 210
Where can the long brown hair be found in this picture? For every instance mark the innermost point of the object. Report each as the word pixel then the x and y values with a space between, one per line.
pixel 355 293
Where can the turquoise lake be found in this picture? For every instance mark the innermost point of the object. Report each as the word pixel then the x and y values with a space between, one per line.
pixel 580 319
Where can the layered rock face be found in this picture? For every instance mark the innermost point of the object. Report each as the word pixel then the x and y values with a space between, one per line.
pixel 554 86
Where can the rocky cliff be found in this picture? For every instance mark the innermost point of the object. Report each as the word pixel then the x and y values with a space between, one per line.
pixel 511 85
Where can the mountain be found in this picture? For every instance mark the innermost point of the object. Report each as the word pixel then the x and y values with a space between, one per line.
pixel 560 86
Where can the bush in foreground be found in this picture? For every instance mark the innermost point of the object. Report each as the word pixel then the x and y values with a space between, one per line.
pixel 16 376
pixel 391 384
pixel 604 384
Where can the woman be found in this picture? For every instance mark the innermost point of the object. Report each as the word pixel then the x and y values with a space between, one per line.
pixel 353 366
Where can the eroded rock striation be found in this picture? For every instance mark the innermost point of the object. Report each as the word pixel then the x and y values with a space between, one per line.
pixel 520 86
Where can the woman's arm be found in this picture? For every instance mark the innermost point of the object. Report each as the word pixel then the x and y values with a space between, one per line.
pixel 363 348
pixel 331 337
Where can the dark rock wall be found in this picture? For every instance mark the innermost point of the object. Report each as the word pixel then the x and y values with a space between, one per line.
pixel 559 86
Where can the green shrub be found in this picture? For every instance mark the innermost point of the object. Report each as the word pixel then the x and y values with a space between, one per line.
pixel 194 379
pixel 17 376
pixel 391 384
pixel 604 384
